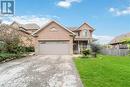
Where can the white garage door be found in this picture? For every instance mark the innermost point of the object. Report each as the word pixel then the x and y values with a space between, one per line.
pixel 54 47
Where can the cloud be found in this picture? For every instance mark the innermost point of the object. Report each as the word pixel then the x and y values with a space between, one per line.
pixel 66 3
pixel 118 12
pixel 103 39
pixel 40 20
pixel 112 9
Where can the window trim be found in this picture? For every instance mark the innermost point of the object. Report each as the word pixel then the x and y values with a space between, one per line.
pixel 85 32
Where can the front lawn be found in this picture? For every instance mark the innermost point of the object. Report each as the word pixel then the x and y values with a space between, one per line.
pixel 104 71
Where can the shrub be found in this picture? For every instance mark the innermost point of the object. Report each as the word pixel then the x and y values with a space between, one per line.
pixel 95 48
pixel 129 46
pixel 86 52
pixel 20 50
pixel 29 49
pixel 13 40
pixel 4 56
pixel 2 46
pixel 129 53
pixel 23 49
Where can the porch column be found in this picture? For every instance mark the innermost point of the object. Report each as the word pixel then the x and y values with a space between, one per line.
pixel 88 46
pixel 78 47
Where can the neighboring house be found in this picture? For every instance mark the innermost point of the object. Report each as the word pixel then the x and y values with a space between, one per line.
pixel 54 38
pixel 31 27
pixel 27 38
pixel 8 32
pixel 119 43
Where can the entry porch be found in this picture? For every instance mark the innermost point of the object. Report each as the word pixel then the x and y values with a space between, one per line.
pixel 79 46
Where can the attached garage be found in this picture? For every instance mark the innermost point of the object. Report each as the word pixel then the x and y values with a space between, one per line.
pixel 53 47
pixel 53 39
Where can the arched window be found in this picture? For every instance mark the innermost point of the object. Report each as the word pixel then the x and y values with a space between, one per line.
pixel 85 33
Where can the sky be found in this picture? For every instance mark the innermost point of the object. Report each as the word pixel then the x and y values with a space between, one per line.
pixel 109 18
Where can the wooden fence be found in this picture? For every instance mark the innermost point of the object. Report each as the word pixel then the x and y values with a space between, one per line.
pixel 115 52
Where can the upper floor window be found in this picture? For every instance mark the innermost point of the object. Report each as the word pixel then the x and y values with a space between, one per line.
pixel 85 33
pixel 77 33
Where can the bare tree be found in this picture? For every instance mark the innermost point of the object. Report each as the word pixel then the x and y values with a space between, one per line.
pixel 10 37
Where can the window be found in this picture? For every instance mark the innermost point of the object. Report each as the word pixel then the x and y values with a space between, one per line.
pixel 85 33
pixel 77 33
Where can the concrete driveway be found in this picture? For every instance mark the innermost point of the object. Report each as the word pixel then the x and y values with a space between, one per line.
pixel 40 71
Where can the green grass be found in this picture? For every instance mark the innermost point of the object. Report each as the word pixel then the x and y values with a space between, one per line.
pixel 104 71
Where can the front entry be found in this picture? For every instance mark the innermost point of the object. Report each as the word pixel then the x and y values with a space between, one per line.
pixel 79 46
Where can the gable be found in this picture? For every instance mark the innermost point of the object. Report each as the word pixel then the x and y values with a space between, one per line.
pixel 49 24
pixel 15 25
pixel 53 31
pixel 85 26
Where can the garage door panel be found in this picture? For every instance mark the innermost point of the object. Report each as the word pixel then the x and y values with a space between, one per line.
pixel 54 48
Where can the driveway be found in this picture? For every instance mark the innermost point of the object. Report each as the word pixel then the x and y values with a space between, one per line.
pixel 40 71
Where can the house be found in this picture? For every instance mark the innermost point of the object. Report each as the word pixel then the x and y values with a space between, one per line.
pixel 31 27
pixel 25 31
pixel 54 38
pixel 26 38
pixel 119 41
pixel 9 33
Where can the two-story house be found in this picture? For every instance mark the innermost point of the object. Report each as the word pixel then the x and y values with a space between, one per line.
pixel 54 38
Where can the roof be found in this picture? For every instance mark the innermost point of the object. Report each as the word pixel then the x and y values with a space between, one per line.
pixel 56 23
pixel 119 38
pixel 27 26
pixel 30 26
pixel 72 28
pixel 78 28
pixel 88 26
pixel 13 29
pixel 25 31
pixel 15 23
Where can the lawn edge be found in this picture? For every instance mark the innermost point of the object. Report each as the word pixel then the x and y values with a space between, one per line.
pixel 77 73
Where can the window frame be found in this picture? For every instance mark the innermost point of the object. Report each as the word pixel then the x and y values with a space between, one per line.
pixel 85 33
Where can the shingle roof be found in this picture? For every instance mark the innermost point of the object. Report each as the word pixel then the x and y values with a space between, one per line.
pixel 30 26
pixel 119 39
pixel 27 26
pixel 53 21
pixel 77 28
pixel 72 28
